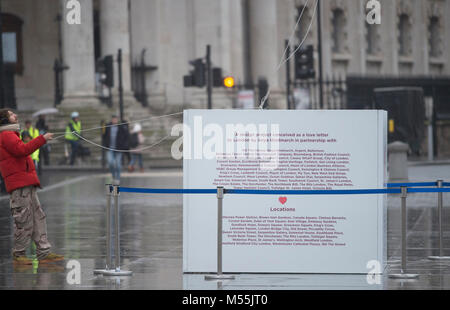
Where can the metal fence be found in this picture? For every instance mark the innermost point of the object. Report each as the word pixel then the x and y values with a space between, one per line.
pixel 334 90
pixel 113 191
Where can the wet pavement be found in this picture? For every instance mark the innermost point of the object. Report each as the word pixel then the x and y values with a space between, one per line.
pixel 151 239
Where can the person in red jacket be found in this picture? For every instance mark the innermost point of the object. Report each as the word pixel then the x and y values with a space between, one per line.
pixel 19 173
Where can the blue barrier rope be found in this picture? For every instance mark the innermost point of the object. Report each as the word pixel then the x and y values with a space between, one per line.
pixel 392 188
pixel 429 190
pixel 281 192
pixel 392 185
pixel 259 192
pixel 314 192
pixel 166 190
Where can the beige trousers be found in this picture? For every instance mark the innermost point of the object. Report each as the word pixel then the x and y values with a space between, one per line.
pixel 29 222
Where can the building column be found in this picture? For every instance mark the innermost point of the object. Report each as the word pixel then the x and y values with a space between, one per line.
pixel 420 42
pixel 263 29
pixel 357 22
pixel 78 54
pixel 115 35
pixel 327 41
pixel 446 34
pixel 389 33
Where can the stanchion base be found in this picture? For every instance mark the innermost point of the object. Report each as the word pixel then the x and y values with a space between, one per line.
pixel 404 276
pixel 101 271
pixel 117 272
pixel 219 277
pixel 439 257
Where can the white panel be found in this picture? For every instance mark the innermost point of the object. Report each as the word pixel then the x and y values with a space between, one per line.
pixel 357 233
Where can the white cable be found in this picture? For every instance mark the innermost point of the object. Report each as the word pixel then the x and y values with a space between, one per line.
pixel 122 151
pixel 130 122
pixel 166 115
pixel 304 39
pixel 292 35
pixel 264 99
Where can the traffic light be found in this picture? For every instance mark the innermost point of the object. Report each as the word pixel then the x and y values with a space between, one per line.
pixel 304 63
pixel 197 77
pixel 106 66
pixel 217 77
pixel 188 81
pixel 220 81
pixel 228 82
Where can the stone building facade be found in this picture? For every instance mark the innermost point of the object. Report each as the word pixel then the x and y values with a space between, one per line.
pixel 247 39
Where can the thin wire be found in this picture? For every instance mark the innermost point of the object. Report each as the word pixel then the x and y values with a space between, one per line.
pixel 292 35
pixel 122 151
pixel 130 122
pixel 264 99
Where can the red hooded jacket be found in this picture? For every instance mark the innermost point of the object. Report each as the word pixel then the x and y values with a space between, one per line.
pixel 16 165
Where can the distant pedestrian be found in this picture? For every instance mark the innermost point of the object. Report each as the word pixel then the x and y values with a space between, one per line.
pixel 74 126
pixel 21 181
pixel 136 141
pixel 126 155
pixel 32 133
pixel 116 138
pixel 44 154
pixel 26 137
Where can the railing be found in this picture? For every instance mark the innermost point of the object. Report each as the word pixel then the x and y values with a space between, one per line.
pixel 403 189
pixel 334 92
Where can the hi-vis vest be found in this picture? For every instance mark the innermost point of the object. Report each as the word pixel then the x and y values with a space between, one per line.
pixel 76 127
pixel 34 133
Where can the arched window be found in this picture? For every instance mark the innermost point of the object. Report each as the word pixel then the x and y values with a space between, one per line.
pixel 338 34
pixel 12 42
pixel 434 37
pixel 404 38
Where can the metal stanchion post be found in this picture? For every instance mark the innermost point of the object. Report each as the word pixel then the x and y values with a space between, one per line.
pixel 219 275
pixel 117 271
pixel 403 274
pixel 108 231
pixel 440 218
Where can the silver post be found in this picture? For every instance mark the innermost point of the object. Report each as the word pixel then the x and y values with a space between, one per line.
pixel 117 227
pixel 403 274
pixel 108 230
pixel 219 275
pixel 117 271
pixel 404 194
pixel 440 218
pixel 219 229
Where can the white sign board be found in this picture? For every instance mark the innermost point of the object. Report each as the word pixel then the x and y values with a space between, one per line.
pixel 290 150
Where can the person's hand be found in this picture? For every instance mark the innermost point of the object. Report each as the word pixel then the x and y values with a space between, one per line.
pixel 48 136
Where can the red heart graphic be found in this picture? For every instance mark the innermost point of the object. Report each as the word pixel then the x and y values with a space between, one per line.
pixel 282 200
